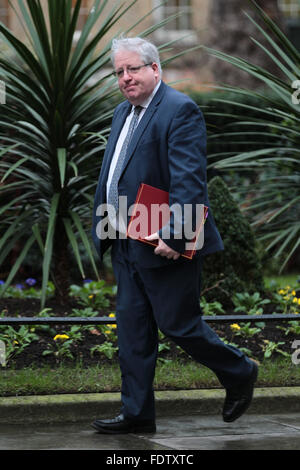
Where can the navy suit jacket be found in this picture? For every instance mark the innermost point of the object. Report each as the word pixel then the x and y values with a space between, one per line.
pixel 168 151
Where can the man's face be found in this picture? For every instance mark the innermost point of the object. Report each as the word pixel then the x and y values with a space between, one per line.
pixel 136 86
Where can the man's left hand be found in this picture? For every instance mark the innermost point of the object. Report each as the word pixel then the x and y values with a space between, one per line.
pixel 163 249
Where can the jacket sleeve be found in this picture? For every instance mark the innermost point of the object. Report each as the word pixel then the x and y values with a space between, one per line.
pixel 187 167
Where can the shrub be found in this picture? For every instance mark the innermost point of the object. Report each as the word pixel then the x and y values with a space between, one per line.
pixel 237 268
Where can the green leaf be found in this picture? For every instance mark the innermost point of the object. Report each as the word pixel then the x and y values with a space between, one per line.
pixel 74 244
pixel 85 241
pixel 62 159
pixel 38 236
pixel 49 246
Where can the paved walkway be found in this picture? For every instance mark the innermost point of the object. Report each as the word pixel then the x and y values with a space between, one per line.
pixel 174 434
pixel 187 420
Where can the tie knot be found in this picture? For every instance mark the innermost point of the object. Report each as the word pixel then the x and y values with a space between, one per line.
pixel 138 109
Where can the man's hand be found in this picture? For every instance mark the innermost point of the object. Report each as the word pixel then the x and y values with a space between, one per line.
pixel 162 249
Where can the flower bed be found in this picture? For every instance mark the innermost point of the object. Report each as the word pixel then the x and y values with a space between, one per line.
pixel 51 344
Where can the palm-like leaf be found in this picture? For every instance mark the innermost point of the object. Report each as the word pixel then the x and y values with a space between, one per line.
pixel 59 120
pixel 275 196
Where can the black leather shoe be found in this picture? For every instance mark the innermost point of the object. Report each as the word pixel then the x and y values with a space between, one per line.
pixel 238 399
pixel 121 425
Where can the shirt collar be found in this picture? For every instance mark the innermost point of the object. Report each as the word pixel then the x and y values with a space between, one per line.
pixel 148 100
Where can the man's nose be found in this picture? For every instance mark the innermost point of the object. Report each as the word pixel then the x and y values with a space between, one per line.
pixel 126 75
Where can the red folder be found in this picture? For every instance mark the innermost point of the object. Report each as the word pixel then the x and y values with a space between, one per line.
pixel 142 223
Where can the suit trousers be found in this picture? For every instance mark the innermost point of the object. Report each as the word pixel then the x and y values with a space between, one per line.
pixel 164 298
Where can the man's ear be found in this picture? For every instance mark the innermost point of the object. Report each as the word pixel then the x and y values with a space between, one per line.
pixel 155 68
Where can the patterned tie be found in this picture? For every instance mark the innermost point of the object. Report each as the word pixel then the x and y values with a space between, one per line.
pixel 113 195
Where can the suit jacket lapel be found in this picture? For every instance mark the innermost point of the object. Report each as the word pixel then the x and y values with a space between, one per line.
pixel 143 124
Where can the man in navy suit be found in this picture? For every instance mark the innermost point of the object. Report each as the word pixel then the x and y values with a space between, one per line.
pixel 158 137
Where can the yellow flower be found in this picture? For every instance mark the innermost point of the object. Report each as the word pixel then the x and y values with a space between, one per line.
pixel 112 315
pixel 293 292
pixel 298 301
pixel 107 332
pixel 295 300
pixel 16 342
pixel 282 292
pixel 235 326
pixel 60 337
pixel 91 296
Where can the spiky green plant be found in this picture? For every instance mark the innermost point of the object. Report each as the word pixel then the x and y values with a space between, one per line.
pixel 53 130
pixel 273 200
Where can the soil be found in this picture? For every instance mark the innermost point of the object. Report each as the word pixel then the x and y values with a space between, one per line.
pixel 92 336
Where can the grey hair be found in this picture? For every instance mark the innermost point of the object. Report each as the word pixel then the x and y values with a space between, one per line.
pixel 147 50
